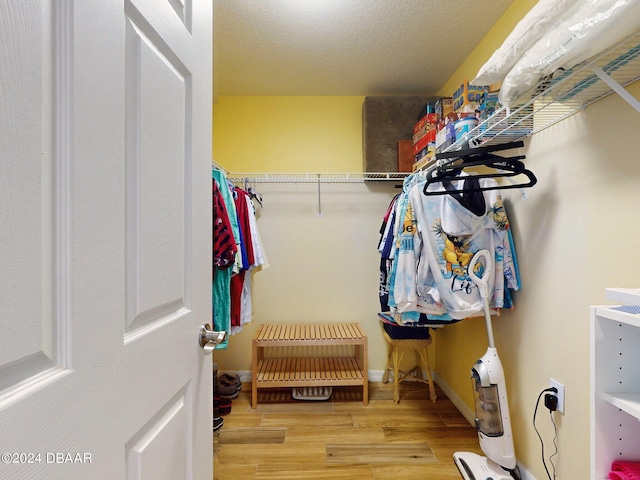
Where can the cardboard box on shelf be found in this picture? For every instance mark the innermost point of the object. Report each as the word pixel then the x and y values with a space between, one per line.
pixel 429 137
pixel 429 155
pixel 422 132
pixel 488 104
pixel 444 107
pixel 445 137
pixel 426 109
pixel 467 98
pixel 429 118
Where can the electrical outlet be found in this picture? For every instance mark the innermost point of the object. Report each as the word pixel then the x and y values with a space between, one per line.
pixel 559 394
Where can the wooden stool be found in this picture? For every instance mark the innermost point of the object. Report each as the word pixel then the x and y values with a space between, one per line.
pixel 394 359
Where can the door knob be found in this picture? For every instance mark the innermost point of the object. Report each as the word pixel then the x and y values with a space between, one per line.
pixel 210 339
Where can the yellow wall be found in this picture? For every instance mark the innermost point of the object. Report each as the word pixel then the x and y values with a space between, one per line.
pixel 288 134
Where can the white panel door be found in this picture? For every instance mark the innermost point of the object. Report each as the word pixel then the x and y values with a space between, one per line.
pixel 105 239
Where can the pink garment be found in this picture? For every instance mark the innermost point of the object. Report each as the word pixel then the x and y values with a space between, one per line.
pixel 625 471
pixel 618 476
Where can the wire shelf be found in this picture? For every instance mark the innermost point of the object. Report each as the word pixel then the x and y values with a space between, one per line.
pixel 316 178
pixel 564 95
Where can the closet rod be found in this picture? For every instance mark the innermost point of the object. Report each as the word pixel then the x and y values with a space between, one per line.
pixel 318 177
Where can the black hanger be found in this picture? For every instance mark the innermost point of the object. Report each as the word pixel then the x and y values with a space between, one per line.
pixel 505 167
pixel 253 194
pixel 453 167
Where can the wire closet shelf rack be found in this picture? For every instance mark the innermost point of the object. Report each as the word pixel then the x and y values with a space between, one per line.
pixel 315 178
pixel 568 92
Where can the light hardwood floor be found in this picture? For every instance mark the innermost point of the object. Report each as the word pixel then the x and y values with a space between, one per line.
pixel 340 439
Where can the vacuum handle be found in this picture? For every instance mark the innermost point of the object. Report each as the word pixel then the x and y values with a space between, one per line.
pixel 483 285
pixel 487 265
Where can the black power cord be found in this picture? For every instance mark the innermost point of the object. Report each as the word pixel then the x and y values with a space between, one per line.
pixel 555 444
pixel 551 404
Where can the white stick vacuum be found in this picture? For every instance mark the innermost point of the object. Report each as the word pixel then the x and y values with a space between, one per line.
pixel 490 393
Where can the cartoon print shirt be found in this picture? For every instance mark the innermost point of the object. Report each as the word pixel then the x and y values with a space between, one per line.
pixel 447 230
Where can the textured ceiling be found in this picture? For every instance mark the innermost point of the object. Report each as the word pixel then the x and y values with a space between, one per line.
pixel 345 47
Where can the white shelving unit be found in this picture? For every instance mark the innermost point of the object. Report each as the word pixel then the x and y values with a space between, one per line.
pixel 615 381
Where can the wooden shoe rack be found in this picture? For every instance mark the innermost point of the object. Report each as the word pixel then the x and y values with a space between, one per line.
pixel 270 371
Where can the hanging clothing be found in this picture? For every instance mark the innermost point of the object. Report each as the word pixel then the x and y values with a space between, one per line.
pixel 221 285
pixel 252 258
pixel 385 248
pixel 433 241
pixel 237 250
pixel 224 245
pixel 261 261
pixel 442 234
pixel 247 256
pixel 403 231
pixel 227 196
pixel 237 285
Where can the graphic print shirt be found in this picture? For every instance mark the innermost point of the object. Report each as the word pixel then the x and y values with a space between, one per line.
pixel 447 230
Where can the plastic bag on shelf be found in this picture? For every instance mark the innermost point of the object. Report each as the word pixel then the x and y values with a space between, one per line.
pixel 525 34
pixel 587 29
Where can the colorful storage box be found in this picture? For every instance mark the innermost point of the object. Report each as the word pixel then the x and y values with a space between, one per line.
pixel 467 98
